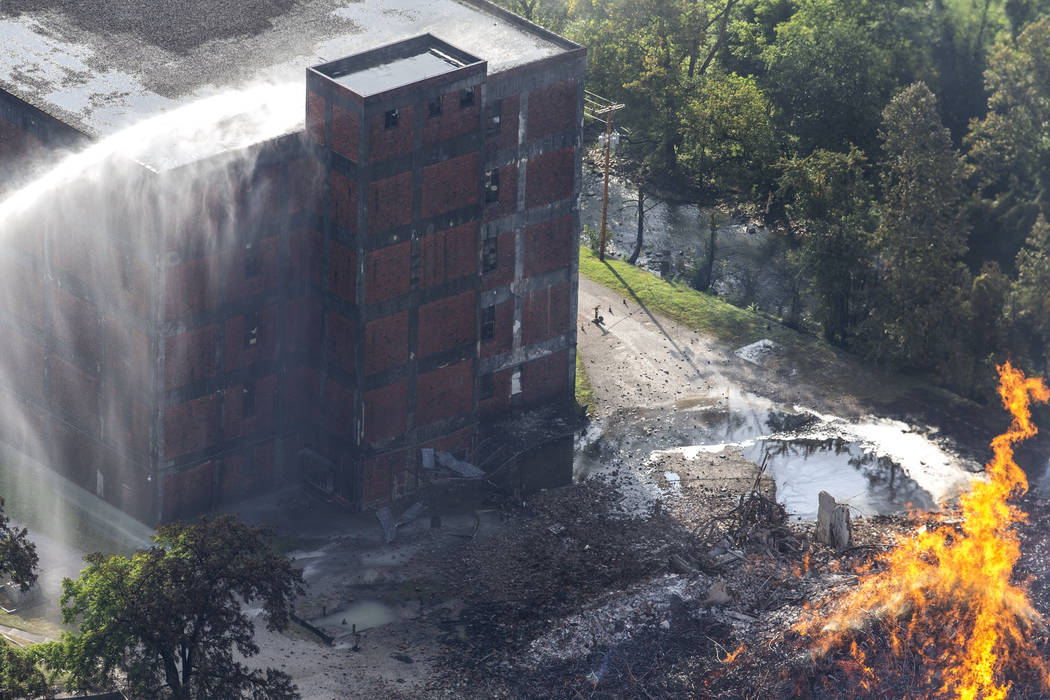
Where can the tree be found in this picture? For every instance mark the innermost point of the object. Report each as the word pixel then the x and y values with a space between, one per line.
pixel 18 558
pixel 920 239
pixel 1028 305
pixel 829 209
pixel 168 619
pixel 728 135
pixel 1008 148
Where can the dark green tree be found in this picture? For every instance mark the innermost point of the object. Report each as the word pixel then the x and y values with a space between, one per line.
pixel 1028 305
pixel 165 622
pixel 829 205
pixel 919 318
pixel 1009 148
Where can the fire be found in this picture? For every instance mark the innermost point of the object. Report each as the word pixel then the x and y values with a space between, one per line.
pixel 945 595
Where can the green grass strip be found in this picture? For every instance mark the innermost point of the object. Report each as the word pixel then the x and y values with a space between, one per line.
pixel 696 310
pixel 584 390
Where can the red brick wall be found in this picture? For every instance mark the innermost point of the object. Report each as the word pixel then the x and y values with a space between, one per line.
pixel 388 273
pixel 548 178
pixel 189 491
pixel 236 354
pixel 238 285
pixel 552 109
pixel 190 426
pixel 508 125
pixel 545 314
pixel 548 246
pixel 504 330
pixel 450 184
pixel 504 272
pixel 126 353
pixel 304 325
pixel 446 323
pixel 304 256
pixel 386 342
pixel 342 271
pixel 453 120
pixel 247 472
pixel 346 130
pixel 190 287
pixel 500 399
pixel 189 357
pixel 306 186
pixel 235 423
pixel 343 201
pixel 125 421
pixel 74 393
pixel 75 324
pixel 545 378
pixel 386 143
pixel 303 394
pixel 390 203
pixel 339 409
pixel 341 341
pixel 386 412
pixel 508 193
pixel 315 117
pixel 379 475
pixel 450 254
pixel 445 392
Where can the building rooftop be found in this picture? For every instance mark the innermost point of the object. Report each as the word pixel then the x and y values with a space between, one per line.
pixel 101 66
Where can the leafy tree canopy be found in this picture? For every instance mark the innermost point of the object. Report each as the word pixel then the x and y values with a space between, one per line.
pixel 18 558
pixel 165 622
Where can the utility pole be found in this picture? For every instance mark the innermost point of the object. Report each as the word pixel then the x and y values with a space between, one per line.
pixel 608 112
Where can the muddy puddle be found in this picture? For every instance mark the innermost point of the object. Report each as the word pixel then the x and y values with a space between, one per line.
pixel 877 466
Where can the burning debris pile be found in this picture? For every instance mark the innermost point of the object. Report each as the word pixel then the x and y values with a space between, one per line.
pixel 940 614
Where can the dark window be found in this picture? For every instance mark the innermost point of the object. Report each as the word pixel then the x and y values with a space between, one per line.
pixel 415 267
pixel 488 323
pixel 390 121
pixel 251 329
pixel 493 118
pixel 251 260
pixel 434 106
pixel 466 98
pixel 248 399
pixel 489 257
pixel 492 185
pixel 487 388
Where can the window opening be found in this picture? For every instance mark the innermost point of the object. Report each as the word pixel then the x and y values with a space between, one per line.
pixel 434 106
pixel 251 260
pixel 487 387
pixel 493 121
pixel 466 98
pixel 251 329
pixel 488 323
pixel 248 399
pixel 492 186
pixel 489 257
pixel 390 119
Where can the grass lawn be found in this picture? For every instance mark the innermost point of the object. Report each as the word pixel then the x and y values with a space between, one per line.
pixel 699 311
pixel 584 391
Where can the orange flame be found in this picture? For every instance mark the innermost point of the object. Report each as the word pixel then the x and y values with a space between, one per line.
pixel 945 594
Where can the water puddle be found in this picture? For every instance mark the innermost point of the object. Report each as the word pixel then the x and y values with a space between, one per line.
pixel 360 615
pixel 877 466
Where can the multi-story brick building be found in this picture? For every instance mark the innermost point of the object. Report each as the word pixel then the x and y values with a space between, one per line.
pixel 388 276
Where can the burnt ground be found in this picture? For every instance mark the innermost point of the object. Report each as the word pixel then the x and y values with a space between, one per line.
pixel 650 579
